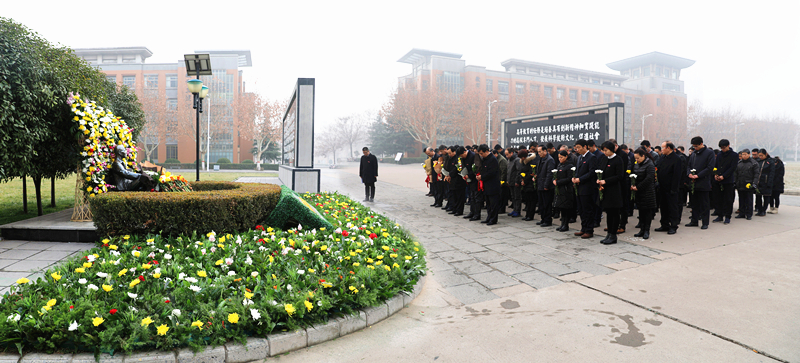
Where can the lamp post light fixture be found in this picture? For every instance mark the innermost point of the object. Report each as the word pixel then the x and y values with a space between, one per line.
pixel 197 65
pixel 644 117
pixel 489 126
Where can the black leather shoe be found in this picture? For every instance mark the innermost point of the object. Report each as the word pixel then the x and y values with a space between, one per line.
pixel 433 205
pixel 718 219
pixel 740 216
pixel 749 218
pixel 639 234
pixel 468 216
pixel 727 221
pixel 661 229
pixel 692 224
pixel 527 219
pixel 546 224
pixel 451 212
pixel 646 235
pixel 672 231
pixel 705 226
pixel 612 239
pixel 484 221
pixel 491 223
pixel 475 218
pixel 458 214
pixel 539 223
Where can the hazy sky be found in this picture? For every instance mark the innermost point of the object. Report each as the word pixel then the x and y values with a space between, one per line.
pixel 746 55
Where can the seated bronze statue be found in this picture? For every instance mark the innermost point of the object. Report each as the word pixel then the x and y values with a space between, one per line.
pixel 125 180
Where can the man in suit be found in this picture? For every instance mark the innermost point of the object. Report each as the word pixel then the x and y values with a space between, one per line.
pixel 670 173
pixel 726 163
pixel 368 171
pixel 470 164
pixel 584 181
pixel 490 176
pixel 545 187
pixel 700 170
pixel 625 187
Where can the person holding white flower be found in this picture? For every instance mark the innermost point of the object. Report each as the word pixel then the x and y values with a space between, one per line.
pixel 610 184
pixel 700 170
pixel 565 190
pixel 643 184
pixel 544 185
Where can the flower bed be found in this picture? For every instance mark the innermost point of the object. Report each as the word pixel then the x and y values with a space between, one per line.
pixel 144 292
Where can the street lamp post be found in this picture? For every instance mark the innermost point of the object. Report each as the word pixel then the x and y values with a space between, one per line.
pixel 197 65
pixel 489 126
pixel 644 117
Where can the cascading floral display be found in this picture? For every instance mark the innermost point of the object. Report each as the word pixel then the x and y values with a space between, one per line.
pixel 99 131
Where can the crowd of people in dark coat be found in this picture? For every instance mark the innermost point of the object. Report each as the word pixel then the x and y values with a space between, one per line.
pixel 582 181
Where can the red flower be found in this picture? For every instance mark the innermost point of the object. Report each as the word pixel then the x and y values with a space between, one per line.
pixel 113 311
pixel 259 227
pixel 141 278
pixel 321 280
pixel 373 236
pixel 166 302
pixel 105 244
pixel 345 233
pixel 72 307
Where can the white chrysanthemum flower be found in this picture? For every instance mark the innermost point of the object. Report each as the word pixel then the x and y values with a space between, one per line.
pixel 191 279
pixel 74 326
pixel 92 287
pixel 167 256
pixel 231 273
pixel 289 287
pixel 195 288
pixel 246 302
pixel 82 281
pixel 132 295
pixel 300 272
pixel 254 273
pixel 176 312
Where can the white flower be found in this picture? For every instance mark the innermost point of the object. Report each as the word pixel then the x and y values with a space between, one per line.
pixel 231 273
pixel 167 256
pixel 249 260
pixel 90 258
pixel 133 269
pixel 203 251
pixel 289 287
pixel 132 295
pixel 157 270
pixel 14 317
pixel 229 261
pixel 115 253
pixel 573 168
pixel 195 288
pixel 152 255
pixel 254 273
pixel 92 287
pixel 299 227
pixel 256 315
pixel 191 279
pixel 554 170
pixel 74 326
pixel 213 249
pixel 246 302
pixel 181 276
pixel 82 281
pixel 176 312
pixel 238 240
pixel 633 176
pixel 300 272
pixel 598 171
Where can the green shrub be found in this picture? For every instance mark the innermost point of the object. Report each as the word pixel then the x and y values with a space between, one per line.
pixel 213 206
pixel 247 161
pixel 292 210
pixel 223 161
pixel 172 161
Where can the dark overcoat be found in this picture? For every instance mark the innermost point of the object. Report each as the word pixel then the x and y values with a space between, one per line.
pixel 612 174
pixel 368 171
pixel 490 175
pixel 645 183
pixel 565 196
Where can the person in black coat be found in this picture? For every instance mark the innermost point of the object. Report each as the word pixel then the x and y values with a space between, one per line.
pixel 700 170
pixel 625 185
pixel 457 182
pixel 746 173
pixel 544 186
pixel 584 180
pixel 368 171
pixel 609 185
pixel 727 160
pixel 529 194
pixel 670 174
pixel 644 187
pixel 765 180
pixel 490 177
pixel 471 165
pixel 777 186
pixel 565 190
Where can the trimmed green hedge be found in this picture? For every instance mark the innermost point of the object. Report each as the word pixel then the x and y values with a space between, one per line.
pixel 219 206
pixel 223 161
pixel 231 166
pixel 292 210
pixel 172 161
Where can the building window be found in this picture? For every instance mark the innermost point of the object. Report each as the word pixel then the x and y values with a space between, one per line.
pixel 596 97
pixel 616 98
pixel 585 96
pixel 502 87
pixel 424 84
pixel 520 88
pixel 533 71
pixel 671 87
pixel 572 77
pixel 151 81
pixel 129 81
pixel 547 73
pixel 520 69
pixel 534 88
pixel 658 71
pixel 489 86
pixel 560 75
pixel 560 93
pixel 109 59
pixel 172 81
pixel 624 73
pixel 607 98
pixel 451 82
pixel 638 104
pixel 548 91
pixel 585 79
pixel 573 95
pixel 112 78
pixel 636 73
pixel 172 151
pixel 477 82
pixel 674 102
pixel 628 100
pixel 674 74
pixel 172 104
pixel 646 71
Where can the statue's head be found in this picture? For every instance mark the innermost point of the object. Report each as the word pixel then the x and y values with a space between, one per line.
pixel 120 151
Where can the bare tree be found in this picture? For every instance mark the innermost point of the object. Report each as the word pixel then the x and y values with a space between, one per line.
pixel 260 120
pixel 350 129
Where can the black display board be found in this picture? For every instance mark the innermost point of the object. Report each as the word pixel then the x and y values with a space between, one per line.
pixel 565 130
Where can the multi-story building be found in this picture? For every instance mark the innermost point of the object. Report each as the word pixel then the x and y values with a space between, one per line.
pixel 649 85
pixel 161 88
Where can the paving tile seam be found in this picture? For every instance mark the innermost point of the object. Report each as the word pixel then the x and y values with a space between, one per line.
pixel 677 320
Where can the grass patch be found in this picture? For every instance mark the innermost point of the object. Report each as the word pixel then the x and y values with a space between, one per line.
pixel 11 193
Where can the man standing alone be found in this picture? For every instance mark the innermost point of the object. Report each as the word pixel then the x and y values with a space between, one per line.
pixel 369 174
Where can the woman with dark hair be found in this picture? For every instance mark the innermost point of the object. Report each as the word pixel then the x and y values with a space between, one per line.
pixel 643 184
pixel 565 194
pixel 610 174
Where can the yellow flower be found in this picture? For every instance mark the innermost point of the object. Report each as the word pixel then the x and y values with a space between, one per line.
pixel 147 321
pixel 113 247
pixel 51 303
pixel 202 274
pixel 394 265
pixel 23 281
pixel 392 255
pixel 386 248
pixel 408 257
pixel 385 234
pixel 522 174
pixel 80 270
pixel 122 272
pixel 134 283
pixel 146 266
pixel 158 275
pixel 323 248
pixel 126 237
pixel 747 186
pixel 309 305
pixel 387 267
pixel 380 257
pixel 87 264
pixel 162 329
pixel 198 324
pixel 150 240
pixel 56 276
pixel 249 295
pixel 311 270
pixel 107 288
pixel 137 253
pixel 219 262
pixel 97 321
pixel 628 171
pixel 233 318
pixel 715 169
pixel 289 309
pixel 269 229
